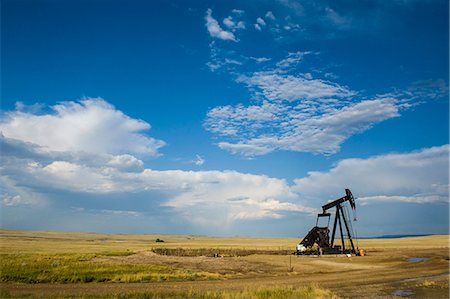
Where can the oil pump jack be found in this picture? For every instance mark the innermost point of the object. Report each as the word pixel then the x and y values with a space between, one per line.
pixel 320 235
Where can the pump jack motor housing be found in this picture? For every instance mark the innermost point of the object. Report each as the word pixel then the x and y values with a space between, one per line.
pixel 318 240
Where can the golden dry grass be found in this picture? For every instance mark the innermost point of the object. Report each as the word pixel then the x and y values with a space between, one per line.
pixel 63 263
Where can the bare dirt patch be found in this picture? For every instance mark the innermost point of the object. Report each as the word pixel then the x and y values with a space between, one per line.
pixel 220 265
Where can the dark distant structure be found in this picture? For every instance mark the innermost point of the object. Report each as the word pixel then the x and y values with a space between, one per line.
pixel 319 235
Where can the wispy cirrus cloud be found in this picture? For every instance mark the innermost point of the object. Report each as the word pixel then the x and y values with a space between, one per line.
pixel 276 86
pixel 327 20
pixel 295 111
pixel 262 129
pixel 291 60
pixel 291 110
pixel 199 160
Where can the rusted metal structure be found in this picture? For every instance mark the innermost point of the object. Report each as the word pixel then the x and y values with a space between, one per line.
pixel 319 235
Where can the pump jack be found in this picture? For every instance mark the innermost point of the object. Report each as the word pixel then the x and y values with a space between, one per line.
pixel 320 235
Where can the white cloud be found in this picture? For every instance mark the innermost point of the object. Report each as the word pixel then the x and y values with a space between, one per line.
pixel 90 125
pixel 234 120
pixel 260 22
pixel 35 108
pixel 246 149
pixel 126 163
pixel 233 25
pixel 292 59
pixel 70 176
pixel 211 198
pixel 287 87
pixel 16 200
pixel 418 177
pixel 269 15
pixel 116 182
pixel 423 90
pixel 261 59
pixel 215 30
pixel 337 19
pixel 229 22
pixel 216 63
pixel 293 6
pixel 268 127
pixel 296 113
pixel 238 11
pixel 219 60
pixel 199 161
pixel 292 27
pixel 399 198
pixel 121 212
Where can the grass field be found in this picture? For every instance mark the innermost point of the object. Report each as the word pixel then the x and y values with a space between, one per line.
pixel 88 265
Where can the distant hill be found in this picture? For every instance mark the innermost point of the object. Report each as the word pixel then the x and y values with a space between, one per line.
pixel 396 236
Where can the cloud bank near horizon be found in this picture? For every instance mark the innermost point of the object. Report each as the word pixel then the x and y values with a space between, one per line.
pixel 45 172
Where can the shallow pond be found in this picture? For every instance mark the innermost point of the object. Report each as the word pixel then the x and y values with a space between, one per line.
pixel 403 293
pixel 418 259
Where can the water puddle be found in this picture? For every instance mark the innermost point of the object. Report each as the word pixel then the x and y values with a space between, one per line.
pixel 403 293
pixel 418 259
pixel 424 277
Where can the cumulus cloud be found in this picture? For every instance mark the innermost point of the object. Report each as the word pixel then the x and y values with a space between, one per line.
pixel 126 163
pixel 203 197
pixel 118 186
pixel 211 196
pixel 89 125
pixel 417 177
pixel 215 30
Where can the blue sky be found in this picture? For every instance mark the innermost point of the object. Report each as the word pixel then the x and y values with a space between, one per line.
pixel 223 117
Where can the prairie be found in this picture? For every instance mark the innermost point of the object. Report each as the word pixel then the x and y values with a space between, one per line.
pixel 86 265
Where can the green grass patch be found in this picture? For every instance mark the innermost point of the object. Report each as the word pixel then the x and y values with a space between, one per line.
pixel 73 268
pixel 264 293
pixel 117 253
